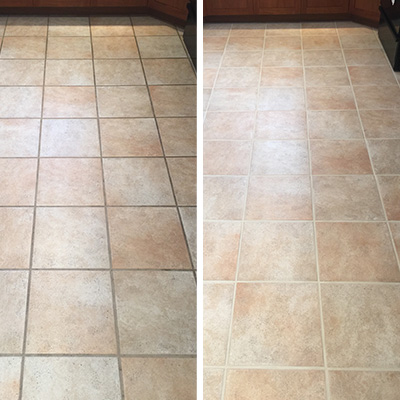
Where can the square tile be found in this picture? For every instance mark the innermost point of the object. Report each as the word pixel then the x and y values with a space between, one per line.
pixel 365 57
pixel 149 26
pixel 160 47
pixel 137 181
pixel 119 72
pixel 212 383
pixel 390 191
pixel 69 48
pixel 156 312
pixel 3 22
pixel 13 297
pixel 69 102
pixel 363 41
pixel 318 28
pixel 71 312
pixel 111 26
pixel 282 42
pixel 129 137
pixel 174 101
pixel 241 59
pixel 70 238
pixel 376 97
pixel 395 229
pixel 238 77
pixel 356 252
pixel 248 30
pixel 213 59
pixel 147 237
pixel 277 251
pixel 280 99
pixel 69 73
pixel 169 71
pixel 69 138
pixel 262 307
pixel 217 29
pixel 279 198
pixel 69 182
pixel 124 102
pixel 217 305
pixel 353 28
pixel 10 373
pixel 69 26
pixel 234 99
pixel 362 325
pixel 245 44
pixel 321 42
pixel 26 26
pixel 189 221
pixel 15 238
pixel 215 43
pixel 23 47
pixel 18 181
pixel 372 75
pixel 326 76
pixel 332 98
pixel 347 198
pixel 384 155
pixel 21 72
pixel 282 58
pixel 22 102
pixel 287 76
pixel 149 378
pixel 209 77
pixel 281 125
pixel 229 125
pixel 327 58
pixel 283 29
pixel 108 47
pixel 381 123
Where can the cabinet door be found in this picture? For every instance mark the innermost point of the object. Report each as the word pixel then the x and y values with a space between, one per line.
pixel 326 6
pixel 368 9
pixel 16 3
pixel 174 8
pixel 118 3
pixel 229 7
pixel 61 3
pixel 277 7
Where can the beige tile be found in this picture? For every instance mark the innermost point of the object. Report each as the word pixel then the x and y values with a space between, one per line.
pixel 327 58
pixel 381 123
pixel 108 47
pixel 70 312
pixel 326 76
pixel 26 26
pixel 213 59
pixel 18 181
pixel 214 43
pixel 318 28
pixel 277 251
pixel 10 372
pixel 281 99
pixel 390 191
pixel 332 98
pixel 23 47
pixel 174 101
pixel 61 377
pixel 69 138
pixel 277 385
pixel 280 157
pixel 212 383
pixel 288 76
pixel 217 305
pixel 365 57
pixel 353 28
pixel 22 102
pixel 15 238
pixel 221 248
pixel 149 26
pixel 334 125
pixel 119 72
pixel 69 102
pixel 129 137
pixel 184 180
pixel 137 181
pixel 216 29
pixel 209 77
pixel 244 44
pixel 339 157
pixel 13 297
pixel 361 325
pixel 356 252
pixel 282 58
pixel 372 75
pixel 395 229
pixel 261 308
pixel 365 385
pixel 169 71
pixel 70 238
pixel 206 98
pixel 347 198
pixel 19 137
pixel 69 48
pixel 283 29
pixel 156 312
pixel 21 72
pixel 321 42
pixel 3 22
pixel 69 26
pixel 70 181
pixel 178 135
pixel 355 41
pixel 227 157
pixel 161 47
pixel 69 72
pixel 281 125
pixel 224 197
pixel 384 155
pixel 376 97
pixel 124 101
pixel 236 99
pixel 248 30
pixel 279 197
pixel 147 238
pixel 249 59
pixel 111 26
pixel 238 77
pixel 282 42
pixel 189 221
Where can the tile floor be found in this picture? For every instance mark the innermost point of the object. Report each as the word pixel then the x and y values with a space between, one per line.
pixel 97 210
pixel 302 213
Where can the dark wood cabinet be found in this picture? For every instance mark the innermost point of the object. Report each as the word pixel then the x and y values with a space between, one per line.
pixel 365 9
pixel 175 8
pixel 118 3
pixel 277 7
pixel 229 7
pixel 61 3
pixel 326 6
pixel 16 3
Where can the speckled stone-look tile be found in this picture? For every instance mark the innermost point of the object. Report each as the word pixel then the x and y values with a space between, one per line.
pixel 362 325
pixel 212 383
pixel 183 172
pixel 277 251
pixel 216 44
pixel 280 99
pixel 147 238
pixel 321 42
pixel 282 58
pixel 275 384
pixel 160 47
pixel 137 181
pixel 365 57
pixel 60 378
pixel 320 58
pixel 326 76
pixel 189 221
pixel 69 26
pixel 395 229
pixel 282 43
pixel 10 368
pixel 119 72
pixel 21 72
pixel 70 238
pixel 384 155
pixel 108 47
pixel 26 26
pixel 333 98
pixel 169 71
pixel 69 73
pixel 233 99
pixel 278 76
pixel 23 47
pixel 111 26
pixel 59 48
pixel 381 124
pixel 244 77
pixel 359 41
pixel 156 312
pixel 174 101
pixel 372 75
pixel 244 44
pixel 70 312
pixel 261 308
pixel 376 97
pixel 149 26
pixel 157 378
pixel 241 59
pixel 390 191
pixel 229 125
pixel 22 102
pixel 13 297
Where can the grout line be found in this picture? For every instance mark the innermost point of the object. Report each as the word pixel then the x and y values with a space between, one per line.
pixel 299 282
pixel 96 355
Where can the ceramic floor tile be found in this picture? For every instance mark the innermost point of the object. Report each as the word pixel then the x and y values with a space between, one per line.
pixel 248 30
pixel 15 238
pixel 214 43
pixel 283 29
pixel 69 26
pixel 376 97
pixel 150 378
pixel 318 28
pixel 108 47
pixel 111 26
pixel 282 43
pixel 277 251
pixel 233 99
pixel 22 102
pixel 390 192
pixel 69 138
pixel 149 26
pixel 262 307
pixel 70 312
pixel 189 221
pixel 23 47
pixel 69 48
pixel 384 155
pixel 119 72
pixel 129 137
pixel 62 377
pixel 381 123
pixel 332 98
pixel 26 26
pixel 362 327
pixel 70 181
pixel 282 58
pixel 169 72
pixel 288 76
pixel 371 75
pixel 213 59
pixel 69 73
pixel 352 28
pixel 356 41
pixel 147 237
pixel 3 22
pixel 137 181
pixel 160 47
pixel 243 59
pixel 10 368
pixel 209 77
pixel 365 57
pixel 321 43
pixel 212 383
pixel 183 173
pixel 70 238
pixel 395 229
pixel 229 125
pixel 156 312
pixel 245 44
pixel 279 198
pixel 238 77
pixel 280 99
pixel 217 29
pixel 326 58
pixel 21 72
pixel 326 76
